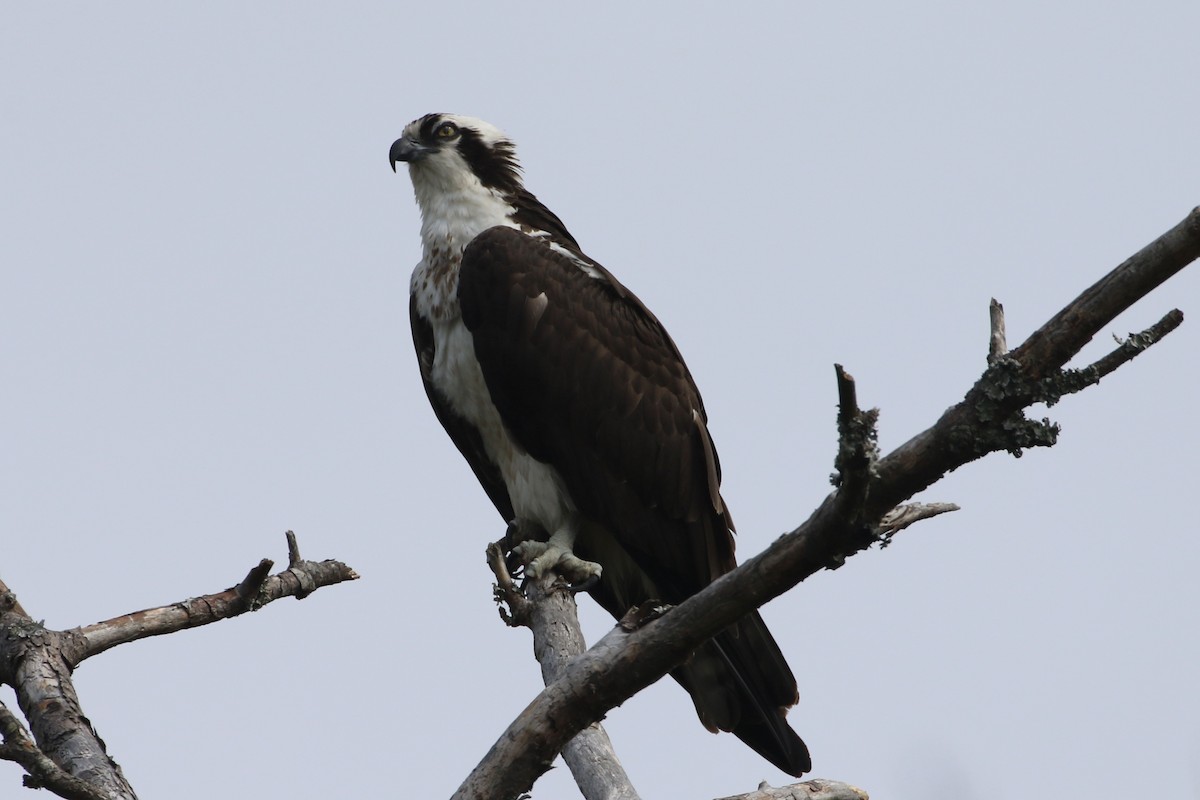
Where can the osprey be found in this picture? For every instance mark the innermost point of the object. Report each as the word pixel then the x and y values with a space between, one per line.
pixel 577 414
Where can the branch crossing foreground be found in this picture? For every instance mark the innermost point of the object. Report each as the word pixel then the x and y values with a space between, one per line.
pixel 61 752
pixel 865 508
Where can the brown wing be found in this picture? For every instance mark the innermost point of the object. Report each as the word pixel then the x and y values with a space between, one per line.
pixel 588 380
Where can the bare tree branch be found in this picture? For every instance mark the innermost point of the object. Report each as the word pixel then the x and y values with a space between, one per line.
pixel 990 405
pixel 1133 346
pixel 1065 334
pixel 858 449
pixel 38 662
pixel 43 773
pixel 989 418
pixel 808 790
pixel 547 607
pixel 300 579
pixel 901 517
pixel 998 341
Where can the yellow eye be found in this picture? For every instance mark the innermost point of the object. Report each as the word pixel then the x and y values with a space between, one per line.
pixel 447 130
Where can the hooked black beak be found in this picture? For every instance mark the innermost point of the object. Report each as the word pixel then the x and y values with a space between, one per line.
pixel 405 149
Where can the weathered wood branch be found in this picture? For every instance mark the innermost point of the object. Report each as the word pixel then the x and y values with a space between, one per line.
pixel 547 607
pixel 988 419
pixel 858 449
pixel 901 517
pixel 1132 346
pixel 998 340
pixel 38 662
pixel 953 441
pixel 300 579
pixel 42 772
pixel 808 790
pixel 1055 343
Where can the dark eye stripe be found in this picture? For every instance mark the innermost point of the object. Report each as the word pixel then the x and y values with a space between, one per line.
pixel 428 123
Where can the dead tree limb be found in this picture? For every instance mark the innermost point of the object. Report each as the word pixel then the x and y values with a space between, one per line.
pixel 808 790
pixel 259 587
pixel 1012 383
pixel 42 773
pixel 37 663
pixel 990 418
pixel 547 607
pixel 66 753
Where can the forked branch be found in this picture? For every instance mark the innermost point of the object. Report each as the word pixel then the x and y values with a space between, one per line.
pixel 547 607
pixel 65 754
pixel 988 419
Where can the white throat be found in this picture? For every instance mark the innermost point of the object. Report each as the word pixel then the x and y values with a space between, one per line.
pixel 455 206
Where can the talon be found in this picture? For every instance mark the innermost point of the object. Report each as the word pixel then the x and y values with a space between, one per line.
pixel 584 585
pixel 520 531
pixel 542 558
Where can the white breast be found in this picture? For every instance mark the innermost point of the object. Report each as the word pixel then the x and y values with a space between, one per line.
pixel 455 208
pixel 535 488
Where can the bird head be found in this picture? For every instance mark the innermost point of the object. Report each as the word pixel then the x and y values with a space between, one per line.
pixel 451 149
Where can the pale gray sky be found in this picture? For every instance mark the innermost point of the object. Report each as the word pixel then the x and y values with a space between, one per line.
pixel 204 341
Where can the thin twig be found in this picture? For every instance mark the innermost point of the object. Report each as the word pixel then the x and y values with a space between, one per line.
pixel 250 587
pixel 857 449
pixel 998 340
pixel 1137 343
pixel 847 396
pixel 901 517
pixel 505 590
pixel 293 548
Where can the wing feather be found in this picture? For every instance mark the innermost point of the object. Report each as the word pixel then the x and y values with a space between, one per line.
pixel 599 389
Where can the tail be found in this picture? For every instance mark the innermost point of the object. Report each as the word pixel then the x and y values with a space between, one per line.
pixel 740 682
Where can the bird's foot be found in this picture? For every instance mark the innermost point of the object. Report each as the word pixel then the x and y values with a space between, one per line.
pixel 542 558
pixel 522 530
pixel 518 532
